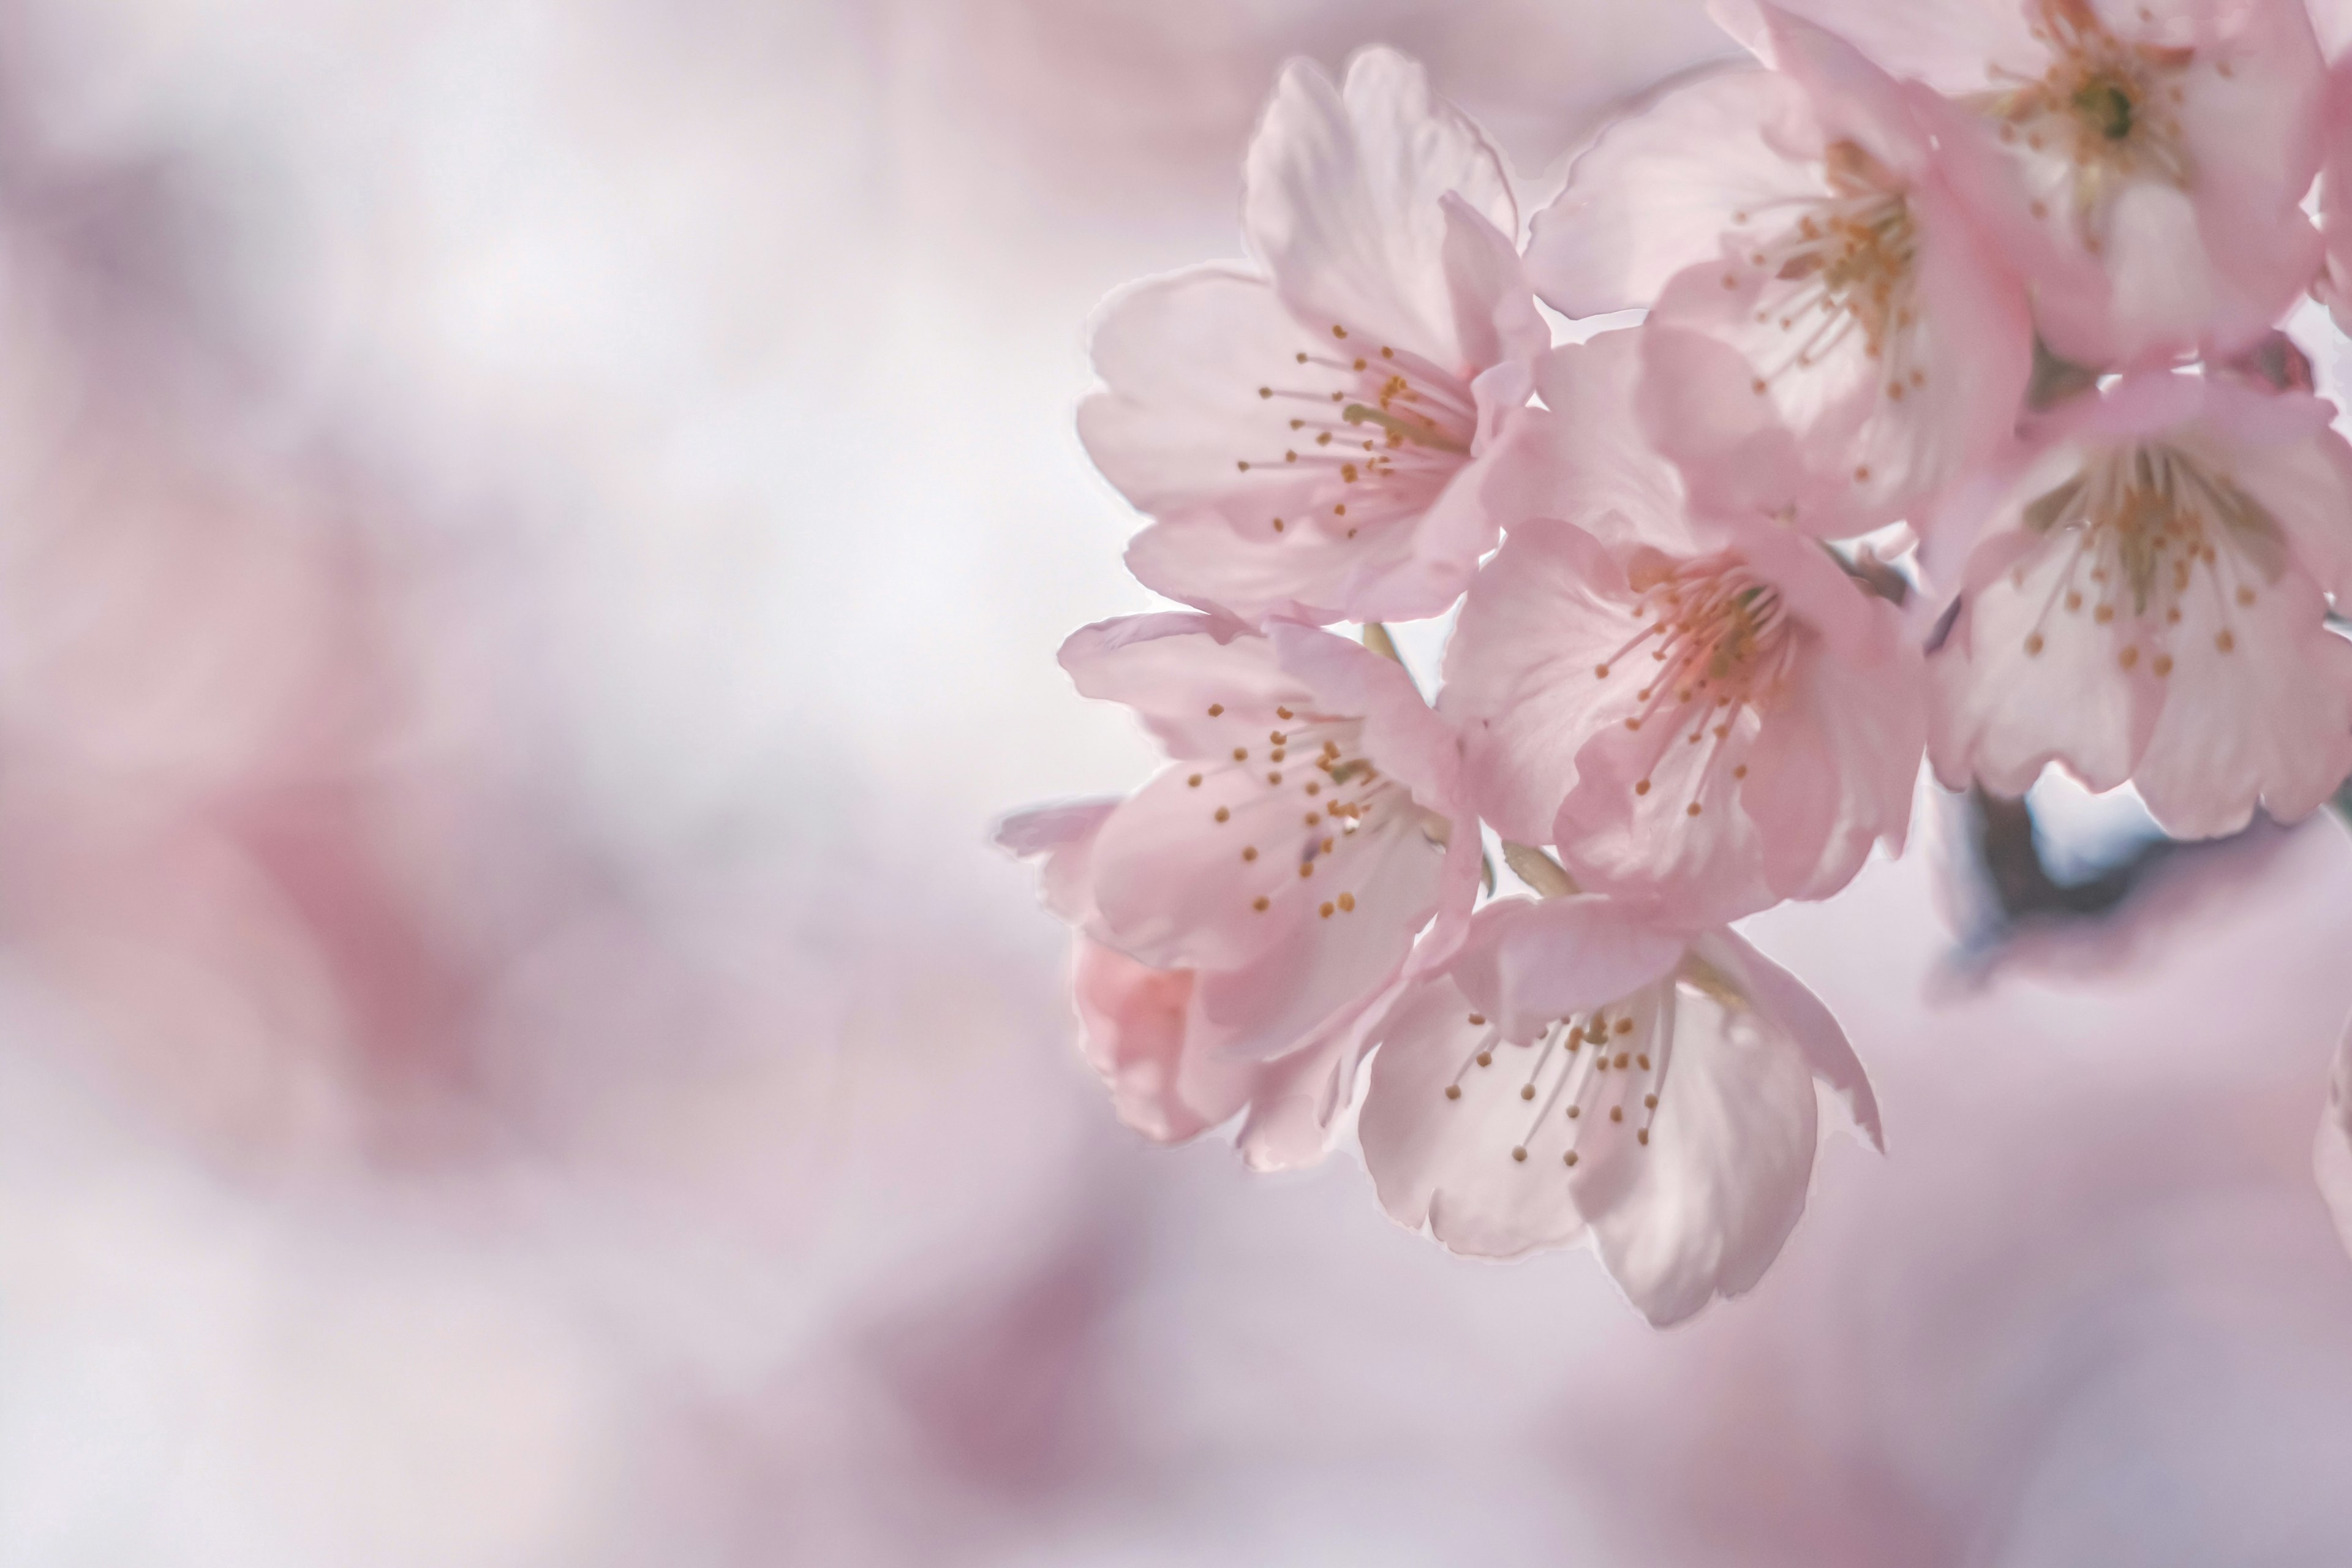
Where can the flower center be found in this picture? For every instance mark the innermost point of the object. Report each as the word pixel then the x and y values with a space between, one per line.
pixel 1841 276
pixel 1596 1074
pixel 1342 804
pixel 2155 536
pixel 2106 105
pixel 1719 643
pixel 1377 432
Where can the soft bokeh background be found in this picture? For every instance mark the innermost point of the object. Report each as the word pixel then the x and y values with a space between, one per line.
pixel 532 541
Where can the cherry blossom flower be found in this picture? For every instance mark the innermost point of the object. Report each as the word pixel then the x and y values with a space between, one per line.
pixel 1144 1031
pixel 1705 717
pixel 2149 603
pixel 1309 440
pixel 1243 915
pixel 1579 1070
pixel 2147 162
pixel 1832 339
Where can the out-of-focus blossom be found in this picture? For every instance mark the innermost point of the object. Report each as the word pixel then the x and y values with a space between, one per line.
pixel 2146 165
pixel 1832 339
pixel 2332 1158
pixel 1705 716
pixel 1581 1068
pixel 2335 286
pixel 2149 602
pixel 1271 882
pixel 1310 440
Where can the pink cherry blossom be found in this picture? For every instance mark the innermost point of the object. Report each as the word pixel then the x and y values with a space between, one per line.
pixel 1243 915
pixel 2149 603
pixel 2145 163
pixel 1309 440
pixel 1144 1031
pixel 1578 1069
pixel 1832 339
pixel 1705 717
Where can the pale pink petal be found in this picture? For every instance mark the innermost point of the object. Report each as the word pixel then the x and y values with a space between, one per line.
pixel 1328 943
pixel 1186 360
pixel 2185 227
pixel 2179 641
pixel 1295 1105
pixel 1770 407
pixel 1134 1028
pixel 2332 1160
pixel 2269 721
pixel 1703 404
pixel 1286 470
pixel 2023 680
pixel 1196 681
pixel 1655 194
pixel 1852 95
pixel 1702 1207
pixel 1851 620
pixel 1950 45
pixel 1495 315
pixel 1342 201
pixel 1835 767
pixel 1065 835
pixel 1542 616
pixel 2298 468
pixel 1527 965
pixel 1447 1161
pixel 1401 735
pixel 1589 462
pixel 1796 1013
pixel 1628 830
pixel 2256 129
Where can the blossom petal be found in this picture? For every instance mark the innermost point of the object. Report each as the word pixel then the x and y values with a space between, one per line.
pixel 1286 473
pixel 2256 129
pixel 1851 432
pixel 1950 45
pixel 1296 1104
pixel 1495 315
pixel 1659 187
pixel 1527 965
pixel 1656 817
pixel 1798 1013
pixel 1401 733
pixel 1328 943
pixel 1135 1024
pixel 2269 721
pixel 1541 617
pixel 1342 200
pixel 2023 680
pixel 1065 835
pixel 1183 675
pixel 1834 768
pixel 1701 1209
pixel 1185 360
pixel 1447 1161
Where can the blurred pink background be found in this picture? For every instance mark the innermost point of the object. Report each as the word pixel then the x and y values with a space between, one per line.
pixel 532 538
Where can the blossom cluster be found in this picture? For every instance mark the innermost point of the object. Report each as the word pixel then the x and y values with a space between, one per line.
pixel 1956 425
